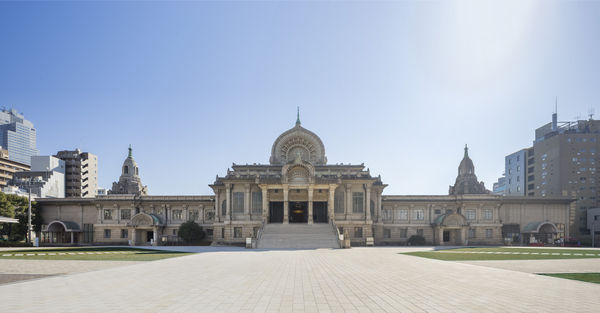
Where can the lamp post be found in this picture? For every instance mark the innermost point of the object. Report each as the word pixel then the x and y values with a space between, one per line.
pixel 29 214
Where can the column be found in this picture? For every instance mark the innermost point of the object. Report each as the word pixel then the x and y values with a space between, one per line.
pixel 217 207
pixel 310 204
pixel 155 236
pixel 331 202
pixel 202 214
pixel 133 239
pixel 368 200
pixel 227 203
pixel 265 202
pixel 247 200
pixel 286 205
pixel 72 239
pixel 348 206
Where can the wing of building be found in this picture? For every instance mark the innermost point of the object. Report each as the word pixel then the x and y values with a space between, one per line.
pixel 298 187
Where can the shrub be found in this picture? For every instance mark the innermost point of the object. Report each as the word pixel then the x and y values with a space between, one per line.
pixel 15 244
pixel 416 240
pixel 190 232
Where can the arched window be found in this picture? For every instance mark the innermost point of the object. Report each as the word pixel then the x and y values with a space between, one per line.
pixel 125 169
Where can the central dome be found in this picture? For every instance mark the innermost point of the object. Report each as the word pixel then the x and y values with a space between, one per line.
pixel 298 142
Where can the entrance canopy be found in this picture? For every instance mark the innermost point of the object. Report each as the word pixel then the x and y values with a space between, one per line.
pixel 145 219
pixel 450 220
pixel 63 226
pixel 540 227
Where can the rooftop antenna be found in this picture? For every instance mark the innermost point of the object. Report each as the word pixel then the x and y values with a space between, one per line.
pixel 591 112
pixel 555 115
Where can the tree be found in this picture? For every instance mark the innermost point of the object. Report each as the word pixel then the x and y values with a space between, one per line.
pixel 190 232
pixel 15 206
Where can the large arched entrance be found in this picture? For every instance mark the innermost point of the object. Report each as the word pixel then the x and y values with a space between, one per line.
pixel 145 229
pixel 541 233
pixel 61 232
pixel 450 229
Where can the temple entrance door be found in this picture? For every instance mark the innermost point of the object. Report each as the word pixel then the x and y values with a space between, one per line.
pixel 149 236
pixel 320 212
pixel 446 236
pixel 275 212
pixel 298 212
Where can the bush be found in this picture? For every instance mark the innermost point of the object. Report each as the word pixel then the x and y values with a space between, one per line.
pixel 416 240
pixel 190 232
pixel 15 244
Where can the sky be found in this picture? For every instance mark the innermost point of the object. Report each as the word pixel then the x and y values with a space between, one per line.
pixel 196 86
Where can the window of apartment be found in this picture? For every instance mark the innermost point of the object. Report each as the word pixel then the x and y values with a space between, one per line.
pixel 471 215
pixel 387 233
pixel 489 233
pixel 357 202
pixel 419 214
pixel 177 215
pixel 107 233
pixel 107 214
pixel 386 214
pixel 471 233
pixel 509 171
pixel 403 232
pixel 257 202
pixel 487 214
pixel 420 232
pixel 338 202
pixel 518 168
pixel 124 233
pixel 237 232
pixel 402 214
pixel 238 202
pixel 518 178
pixel 125 214
pixel 358 232
pixel 518 188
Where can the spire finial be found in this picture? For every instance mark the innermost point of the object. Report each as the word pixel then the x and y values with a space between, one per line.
pixel 130 151
pixel 466 150
pixel 298 116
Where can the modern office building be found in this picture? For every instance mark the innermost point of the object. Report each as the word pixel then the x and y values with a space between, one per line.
pixel 499 187
pixel 18 136
pixel 8 168
pixel 81 178
pixel 299 200
pixel 46 178
pixel 565 164
pixel 515 167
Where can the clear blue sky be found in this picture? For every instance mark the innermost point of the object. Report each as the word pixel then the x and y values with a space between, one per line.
pixel 195 86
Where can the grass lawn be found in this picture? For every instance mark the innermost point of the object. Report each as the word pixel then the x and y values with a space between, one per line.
pixel 586 277
pixel 474 254
pixel 93 254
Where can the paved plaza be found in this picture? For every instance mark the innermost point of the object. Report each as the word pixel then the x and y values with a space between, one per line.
pixel 355 280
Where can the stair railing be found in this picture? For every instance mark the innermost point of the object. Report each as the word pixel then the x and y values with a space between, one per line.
pixel 260 232
pixel 336 231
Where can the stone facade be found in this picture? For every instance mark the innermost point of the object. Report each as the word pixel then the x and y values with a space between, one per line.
pixel 298 186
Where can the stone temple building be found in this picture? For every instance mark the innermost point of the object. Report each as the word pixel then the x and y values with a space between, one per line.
pixel 300 200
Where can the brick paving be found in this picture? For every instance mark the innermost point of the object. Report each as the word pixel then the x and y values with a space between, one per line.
pixel 354 280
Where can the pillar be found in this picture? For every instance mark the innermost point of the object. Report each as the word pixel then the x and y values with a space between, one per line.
pixel 265 202
pixel 247 195
pixel 348 207
pixel 227 203
pixel 72 238
pixel 331 202
pixel 133 239
pixel 310 204
pixel 217 207
pixel 155 236
pixel 286 205
pixel 368 200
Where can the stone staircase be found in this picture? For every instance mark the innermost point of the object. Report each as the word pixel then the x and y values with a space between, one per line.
pixel 297 236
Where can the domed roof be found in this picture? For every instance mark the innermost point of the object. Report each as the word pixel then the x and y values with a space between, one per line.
pixel 130 167
pixel 298 142
pixel 466 165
